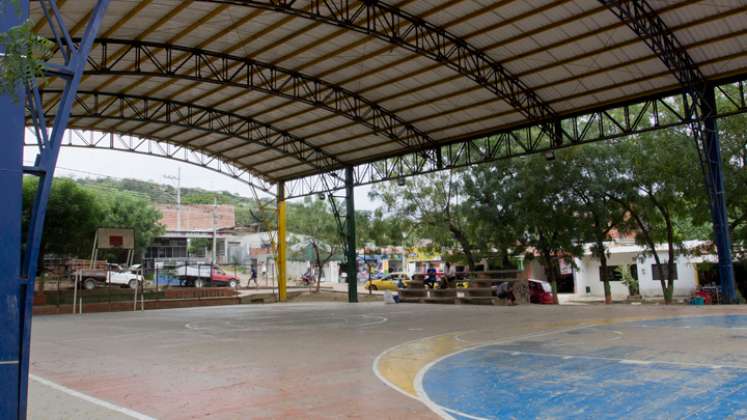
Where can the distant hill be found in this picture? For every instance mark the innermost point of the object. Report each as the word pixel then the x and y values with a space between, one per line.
pixel 246 208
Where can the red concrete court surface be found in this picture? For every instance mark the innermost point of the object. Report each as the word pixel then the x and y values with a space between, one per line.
pixel 376 361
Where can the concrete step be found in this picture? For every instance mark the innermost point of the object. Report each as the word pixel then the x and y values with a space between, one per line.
pixel 477 300
pixel 441 300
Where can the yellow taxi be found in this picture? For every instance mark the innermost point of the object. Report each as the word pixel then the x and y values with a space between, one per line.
pixel 389 282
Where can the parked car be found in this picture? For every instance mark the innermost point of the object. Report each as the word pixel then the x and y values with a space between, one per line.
pixel 114 274
pixel 540 292
pixel 389 282
pixel 202 275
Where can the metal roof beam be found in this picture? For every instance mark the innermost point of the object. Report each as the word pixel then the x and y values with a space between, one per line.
pixel 642 19
pixel 528 72
pixel 158 60
pixel 124 107
pixel 612 121
pixel 162 148
pixel 497 129
pixel 398 27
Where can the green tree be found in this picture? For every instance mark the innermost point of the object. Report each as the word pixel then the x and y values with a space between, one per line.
pixel 433 204
pixel 587 177
pixel 527 204
pixel 198 246
pixel 733 135
pixel 492 206
pixel 547 214
pixel 122 210
pixel 377 228
pixel 656 185
pixel 24 53
pixel 315 222
pixel 73 215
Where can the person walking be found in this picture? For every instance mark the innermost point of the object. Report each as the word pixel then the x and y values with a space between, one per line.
pixel 253 277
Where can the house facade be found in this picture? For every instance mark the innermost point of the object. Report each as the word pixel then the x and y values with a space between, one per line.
pixel 586 271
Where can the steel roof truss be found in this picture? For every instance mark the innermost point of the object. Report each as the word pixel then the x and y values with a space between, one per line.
pixel 611 123
pixel 395 26
pixel 152 59
pixel 154 110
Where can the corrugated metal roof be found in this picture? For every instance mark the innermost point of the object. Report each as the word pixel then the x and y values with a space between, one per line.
pixel 573 54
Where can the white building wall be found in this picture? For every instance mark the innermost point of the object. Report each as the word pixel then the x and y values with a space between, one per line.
pixel 684 285
pixel 332 272
pixel 535 270
pixel 296 269
pixel 587 275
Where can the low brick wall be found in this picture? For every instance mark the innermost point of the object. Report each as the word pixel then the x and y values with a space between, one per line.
pixel 188 292
pixel 127 306
pixel 266 297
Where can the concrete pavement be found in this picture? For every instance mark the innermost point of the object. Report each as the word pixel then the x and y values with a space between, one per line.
pixel 338 360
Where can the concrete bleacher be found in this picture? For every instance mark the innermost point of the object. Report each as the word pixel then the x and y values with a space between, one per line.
pixel 479 290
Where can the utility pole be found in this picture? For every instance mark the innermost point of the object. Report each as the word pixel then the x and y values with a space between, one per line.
pixel 215 229
pixel 178 179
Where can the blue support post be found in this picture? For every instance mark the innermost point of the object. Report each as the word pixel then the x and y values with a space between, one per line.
pixel 715 185
pixel 23 282
pixel 11 175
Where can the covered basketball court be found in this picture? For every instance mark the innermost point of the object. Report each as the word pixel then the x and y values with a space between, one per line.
pixel 374 361
pixel 317 97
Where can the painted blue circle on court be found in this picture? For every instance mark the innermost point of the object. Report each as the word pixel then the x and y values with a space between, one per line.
pixel 520 381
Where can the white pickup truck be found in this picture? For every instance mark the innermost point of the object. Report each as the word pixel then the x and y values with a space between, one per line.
pixel 114 275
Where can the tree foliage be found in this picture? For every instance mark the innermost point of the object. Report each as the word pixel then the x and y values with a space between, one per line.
pixel 733 131
pixel 588 182
pixel 432 206
pixel 73 215
pixel 524 206
pixel 654 182
pixel 377 229
pixel 248 212
pixel 125 211
pixel 313 220
pixel 74 212
pixel 23 53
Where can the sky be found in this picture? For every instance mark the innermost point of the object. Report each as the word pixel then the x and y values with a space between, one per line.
pixel 98 163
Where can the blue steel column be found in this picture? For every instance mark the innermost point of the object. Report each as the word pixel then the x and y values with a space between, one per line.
pixel 350 255
pixel 44 169
pixel 11 173
pixel 715 185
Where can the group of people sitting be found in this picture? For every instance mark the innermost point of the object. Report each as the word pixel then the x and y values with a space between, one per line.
pixel 449 279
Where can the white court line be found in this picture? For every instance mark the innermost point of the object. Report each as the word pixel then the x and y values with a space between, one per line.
pixel 375 365
pixel 93 400
pixel 634 362
pixel 614 360
pixel 442 411
pixel 427 402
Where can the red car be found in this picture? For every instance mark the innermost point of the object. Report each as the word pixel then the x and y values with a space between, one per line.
pixel 219 278
pixel 540 292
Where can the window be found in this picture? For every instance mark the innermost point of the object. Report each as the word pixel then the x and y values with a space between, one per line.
pixel 664 271
pixel 614 275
